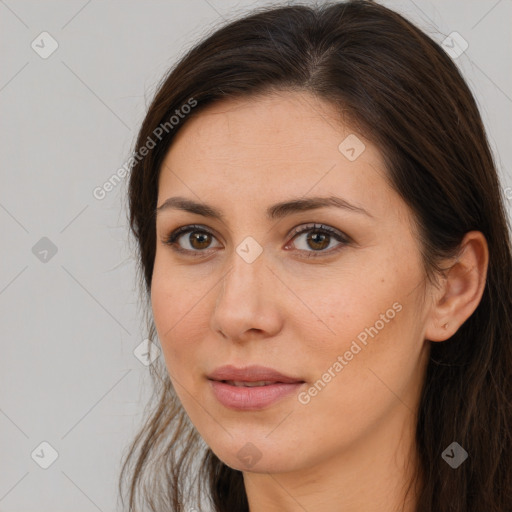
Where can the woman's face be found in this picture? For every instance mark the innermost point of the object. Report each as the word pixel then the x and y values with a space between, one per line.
pixel 338 308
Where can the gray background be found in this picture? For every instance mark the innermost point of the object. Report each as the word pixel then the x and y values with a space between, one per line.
pixel 70 321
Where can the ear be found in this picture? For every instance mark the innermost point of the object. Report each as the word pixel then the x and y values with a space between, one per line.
pixel 461 289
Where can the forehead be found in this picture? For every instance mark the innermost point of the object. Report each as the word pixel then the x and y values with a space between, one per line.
pixel 271 146
pixel 284 123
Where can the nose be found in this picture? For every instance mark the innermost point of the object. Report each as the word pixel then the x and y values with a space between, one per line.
pixel 248 301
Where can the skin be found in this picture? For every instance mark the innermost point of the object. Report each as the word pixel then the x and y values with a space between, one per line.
pixel 351 447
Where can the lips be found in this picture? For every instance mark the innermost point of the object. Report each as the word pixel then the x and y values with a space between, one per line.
pixel 251 388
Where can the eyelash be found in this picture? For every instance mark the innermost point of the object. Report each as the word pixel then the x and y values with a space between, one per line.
pixel 317 228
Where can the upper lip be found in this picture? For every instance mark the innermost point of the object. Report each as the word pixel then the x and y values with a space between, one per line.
pixel 253 373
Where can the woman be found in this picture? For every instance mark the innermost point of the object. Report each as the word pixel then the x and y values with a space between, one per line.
pixel 323 240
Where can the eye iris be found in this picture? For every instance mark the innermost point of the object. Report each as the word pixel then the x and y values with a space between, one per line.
pixel 204 240
pixel 323 238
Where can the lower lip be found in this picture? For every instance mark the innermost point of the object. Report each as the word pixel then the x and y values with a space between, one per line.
pixel 252 399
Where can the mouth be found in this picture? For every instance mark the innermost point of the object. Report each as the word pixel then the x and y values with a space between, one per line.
pixel 251 388
pixel 254 374
pixel 247 384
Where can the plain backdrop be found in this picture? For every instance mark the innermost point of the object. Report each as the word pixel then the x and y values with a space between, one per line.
pixel 71 388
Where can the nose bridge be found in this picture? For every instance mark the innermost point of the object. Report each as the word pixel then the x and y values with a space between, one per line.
pixel 243 301
pixel 243 279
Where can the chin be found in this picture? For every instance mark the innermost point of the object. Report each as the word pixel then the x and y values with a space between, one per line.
pixel 249 454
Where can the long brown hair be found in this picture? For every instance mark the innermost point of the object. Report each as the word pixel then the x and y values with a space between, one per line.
pixel 405 94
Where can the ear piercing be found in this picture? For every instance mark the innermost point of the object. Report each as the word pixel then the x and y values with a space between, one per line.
pixel 445 326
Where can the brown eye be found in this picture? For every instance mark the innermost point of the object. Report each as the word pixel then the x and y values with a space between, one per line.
pixel 312 240
pixel 203 240
pixel 315 239
pixel 198 239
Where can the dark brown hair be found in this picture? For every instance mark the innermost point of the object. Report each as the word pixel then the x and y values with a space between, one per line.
pixel 403 92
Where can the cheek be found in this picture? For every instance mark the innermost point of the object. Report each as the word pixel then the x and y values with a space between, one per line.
pixel 340 306
pixel 353 384
pixel 368 318
pixel 376 345
pixel 177 308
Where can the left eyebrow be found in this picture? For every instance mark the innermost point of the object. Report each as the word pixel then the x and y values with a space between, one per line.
pixel 274 212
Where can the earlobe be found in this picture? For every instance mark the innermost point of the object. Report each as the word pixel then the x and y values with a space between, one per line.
pixel 462 289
